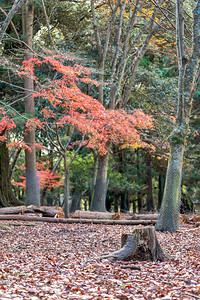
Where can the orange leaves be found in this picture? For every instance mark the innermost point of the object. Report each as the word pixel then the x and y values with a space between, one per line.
pixel 64 103
pixel 45 176
pixel 6 124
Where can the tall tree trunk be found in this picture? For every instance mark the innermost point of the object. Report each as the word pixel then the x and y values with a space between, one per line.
pixel 66 188
pixel 32 181
pixel 188 72
pixel 76 198
pixel 116 203
pixel 161 185
pixel 168 220
pixel 94 177
pixel 139 201
pixel 124 208
pixel 149 198
pixel 139 194
pixel 98 202
pixel 7 197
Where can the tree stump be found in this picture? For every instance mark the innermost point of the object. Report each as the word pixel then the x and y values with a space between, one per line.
pixel 141 245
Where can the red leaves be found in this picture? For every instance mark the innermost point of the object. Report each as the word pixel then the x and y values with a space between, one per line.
pixel 6 124
pixel 46 178
pixel 87 114
pixel 63 103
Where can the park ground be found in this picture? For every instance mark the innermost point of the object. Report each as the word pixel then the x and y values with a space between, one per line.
pixel 61 261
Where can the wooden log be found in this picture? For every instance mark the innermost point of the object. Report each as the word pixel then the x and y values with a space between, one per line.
pixel 46 211
pixel 92 215
pixel 143 217
pixel 12 210
pixel 71 221
pixel 141 245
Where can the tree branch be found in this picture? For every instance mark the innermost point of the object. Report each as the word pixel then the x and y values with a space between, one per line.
pixel 48 26
pixel 15 8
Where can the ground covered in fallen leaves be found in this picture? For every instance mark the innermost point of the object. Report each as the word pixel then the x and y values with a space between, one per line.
pixel 61 261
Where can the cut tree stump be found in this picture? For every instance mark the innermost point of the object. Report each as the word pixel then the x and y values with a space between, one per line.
pixel 141 245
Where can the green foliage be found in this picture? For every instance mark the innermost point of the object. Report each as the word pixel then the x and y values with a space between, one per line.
pixel 81 172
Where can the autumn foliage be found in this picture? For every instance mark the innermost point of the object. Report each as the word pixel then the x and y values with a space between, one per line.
pixel 47 178
pixel 64 103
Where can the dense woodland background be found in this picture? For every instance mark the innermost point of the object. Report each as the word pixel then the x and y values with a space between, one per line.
pixel 128 58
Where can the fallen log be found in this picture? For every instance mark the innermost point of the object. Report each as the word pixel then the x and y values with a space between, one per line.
pixel 143 217
pixel 12 210
pixel 141 245
pixel 80 214
pixel 46 211
pixel 72 220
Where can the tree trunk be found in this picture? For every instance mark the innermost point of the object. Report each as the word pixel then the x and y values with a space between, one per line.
pixel 161 186
pixel 149 198
pixel 124 207
pixel 116 203
pixel 32 181
pixel 189 75
pixel 98 202
pixel 66 188
pixel 139 175
pixel 139 201
pixel 94 177
pixel 7 197
pixel 168 219
pixel 141 245
pixel 76 198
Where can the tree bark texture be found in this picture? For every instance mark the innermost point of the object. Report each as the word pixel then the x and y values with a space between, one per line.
pixel 141 245
pixel 168 219
pixel 124 206
pixel 7 197
pixel 32 180
pixel 161 186
pixel 75 221
pixel 46 211
pixel 9 17
pixel 66 188
pixel 149 197
pixel 188 80
pixel 98 202
pixel 76 198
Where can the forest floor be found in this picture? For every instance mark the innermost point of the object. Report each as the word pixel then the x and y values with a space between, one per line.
pixel 61 261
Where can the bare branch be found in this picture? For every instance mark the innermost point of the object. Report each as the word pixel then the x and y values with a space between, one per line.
pixel 118 39
pixel 58 139
pixel 96 30
pixel 77 150
pixel 60 158
pixel 192 68
pixel 48 26
pixel 12 24
pixel 14 163
pixel 15 8
pixel 130 77
pixel 107 39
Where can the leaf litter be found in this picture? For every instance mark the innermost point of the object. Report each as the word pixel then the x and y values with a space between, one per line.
pixel 61 261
